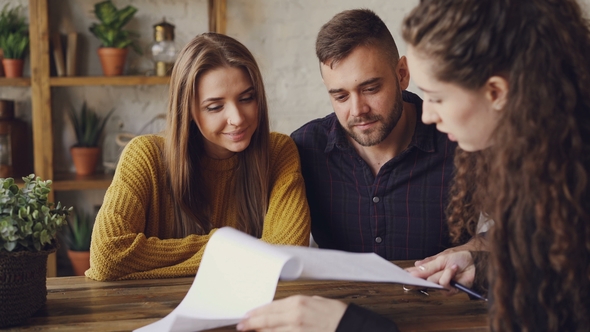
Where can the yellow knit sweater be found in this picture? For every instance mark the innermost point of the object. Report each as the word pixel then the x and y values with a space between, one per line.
pixel 132 237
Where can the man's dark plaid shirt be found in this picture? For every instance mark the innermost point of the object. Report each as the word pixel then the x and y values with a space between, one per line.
pixel 398 214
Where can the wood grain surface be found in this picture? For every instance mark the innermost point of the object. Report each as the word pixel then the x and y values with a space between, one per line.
pixel 81 304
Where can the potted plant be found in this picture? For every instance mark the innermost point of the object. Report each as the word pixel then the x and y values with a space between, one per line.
pixel 88 127
pixel 77 238
pixel 14 40
pixel 29 226
pixel 115 41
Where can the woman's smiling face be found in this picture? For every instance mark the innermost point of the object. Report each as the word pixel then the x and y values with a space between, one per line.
pixel 226 111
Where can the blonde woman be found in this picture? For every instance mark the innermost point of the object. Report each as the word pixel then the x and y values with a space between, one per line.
pixel 216 165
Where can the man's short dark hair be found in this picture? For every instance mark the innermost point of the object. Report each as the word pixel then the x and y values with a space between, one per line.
pixel 348 30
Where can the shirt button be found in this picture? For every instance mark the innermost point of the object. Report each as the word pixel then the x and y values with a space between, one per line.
pixel 375 199
pixel 378 239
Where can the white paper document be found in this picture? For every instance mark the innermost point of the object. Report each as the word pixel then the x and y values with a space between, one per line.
pixel 239 273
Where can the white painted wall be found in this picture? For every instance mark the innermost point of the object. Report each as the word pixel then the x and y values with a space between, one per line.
pixel 280 33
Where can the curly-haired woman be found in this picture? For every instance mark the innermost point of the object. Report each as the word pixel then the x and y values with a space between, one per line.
pixel 508 80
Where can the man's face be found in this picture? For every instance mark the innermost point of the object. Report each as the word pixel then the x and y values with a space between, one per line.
pixel 365 93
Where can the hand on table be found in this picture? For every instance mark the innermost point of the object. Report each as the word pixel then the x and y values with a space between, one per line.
pixel 449 264
pixel 295 313
pixel 474 244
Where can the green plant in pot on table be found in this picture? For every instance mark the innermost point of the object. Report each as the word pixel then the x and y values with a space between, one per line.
pixel 14 40
pixel 77 238
pixel 88 126
pixel 29 226
pixel 115 40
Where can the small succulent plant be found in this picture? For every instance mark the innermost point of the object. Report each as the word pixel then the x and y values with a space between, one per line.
pixel 110 30
pixel 14 34
pixel 88 126
pixel 27 220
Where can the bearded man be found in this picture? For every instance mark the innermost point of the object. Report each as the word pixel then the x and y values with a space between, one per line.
pixel 376 177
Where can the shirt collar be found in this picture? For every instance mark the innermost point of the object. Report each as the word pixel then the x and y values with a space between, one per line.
pixel 424 135
pixel 337 138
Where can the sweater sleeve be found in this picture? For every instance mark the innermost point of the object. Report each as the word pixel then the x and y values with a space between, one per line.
pixel 288 219
pixel 135 205
pixel 359 319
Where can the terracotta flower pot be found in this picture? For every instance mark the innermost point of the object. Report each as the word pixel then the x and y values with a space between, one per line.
pixel 13 67
pixel 112 60
pixel 80 261
pixel 85 159
pixel 2 66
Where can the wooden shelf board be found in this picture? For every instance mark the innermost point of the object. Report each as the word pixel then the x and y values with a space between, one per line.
pixel 20 81
pixel 19 182
pixel 72 181
pixel 109 80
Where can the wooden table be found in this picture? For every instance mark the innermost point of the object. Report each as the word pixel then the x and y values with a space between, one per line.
pixel 81 304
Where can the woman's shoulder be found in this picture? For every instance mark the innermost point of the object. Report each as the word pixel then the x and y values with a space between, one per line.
pixel 146 143
pixel 282 149
pixel 144 146
pixel 142 158
pixel 279 141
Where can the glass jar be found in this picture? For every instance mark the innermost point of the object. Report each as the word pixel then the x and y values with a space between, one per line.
pixel 164 50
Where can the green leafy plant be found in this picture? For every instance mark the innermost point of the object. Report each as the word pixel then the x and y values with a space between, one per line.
pixel 27 220
pixel 14 35
pixel 12 21
pixel 88 126
pixel 79 232
pixel 14 45
pixel 110 29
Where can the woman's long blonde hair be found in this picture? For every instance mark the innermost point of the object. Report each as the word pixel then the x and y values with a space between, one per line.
pixel 184 143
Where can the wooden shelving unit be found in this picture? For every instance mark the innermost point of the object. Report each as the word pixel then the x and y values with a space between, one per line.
pixel 71 181
pixel 41 83
pixel 21 81
pixel 113 80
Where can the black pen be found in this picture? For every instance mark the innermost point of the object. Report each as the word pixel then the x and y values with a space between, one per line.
pixel 467 290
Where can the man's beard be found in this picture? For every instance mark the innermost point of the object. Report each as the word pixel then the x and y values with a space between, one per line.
pixel 375 136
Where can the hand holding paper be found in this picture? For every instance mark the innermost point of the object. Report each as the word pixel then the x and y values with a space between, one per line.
pixel 239 272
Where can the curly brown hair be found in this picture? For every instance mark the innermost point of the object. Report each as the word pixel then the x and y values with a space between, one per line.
pixel 533 181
